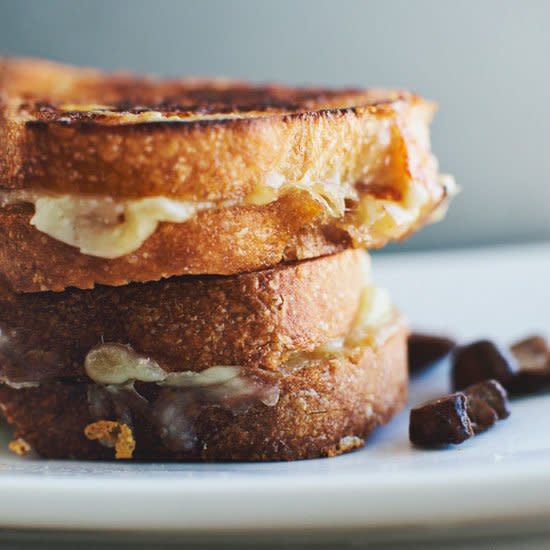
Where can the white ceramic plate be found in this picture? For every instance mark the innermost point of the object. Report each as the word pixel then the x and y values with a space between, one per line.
pixel 501 475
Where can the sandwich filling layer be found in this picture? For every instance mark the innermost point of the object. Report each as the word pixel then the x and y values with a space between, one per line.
pixel 109 228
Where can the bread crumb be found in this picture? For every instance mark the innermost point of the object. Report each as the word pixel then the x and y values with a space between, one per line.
pixel 350 442
pixel 19 446
pixel 112 434
pixel 345 445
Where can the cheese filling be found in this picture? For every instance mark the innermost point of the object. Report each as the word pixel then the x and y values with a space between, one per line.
pixel 108 228
pixel 331 194
pixel 375 320
pixel 390 219
pixel 174 411
pixel 102 226
pixel 112 363
pixel 119 366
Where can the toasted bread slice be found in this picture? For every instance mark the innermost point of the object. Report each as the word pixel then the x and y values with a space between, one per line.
pixel 187 323
pixel 325 407
pixel 199 140
pixel 106 179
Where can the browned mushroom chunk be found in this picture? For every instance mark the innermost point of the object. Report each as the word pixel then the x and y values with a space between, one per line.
pixel 479 361
pixel 481 414
pixel 533 356
pixel 441 422
pixel 425 349
pixel 492 393
pixel 458 416
pixel 532 353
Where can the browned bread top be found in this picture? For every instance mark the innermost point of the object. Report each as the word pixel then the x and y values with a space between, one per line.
pixel 44 84
pixel 72 130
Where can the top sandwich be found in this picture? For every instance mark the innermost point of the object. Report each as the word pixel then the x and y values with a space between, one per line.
pixel 112 178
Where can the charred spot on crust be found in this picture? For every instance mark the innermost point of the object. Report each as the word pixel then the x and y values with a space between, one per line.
pixel 245 103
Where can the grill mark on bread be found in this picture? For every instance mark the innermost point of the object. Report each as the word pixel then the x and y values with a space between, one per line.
pixel 111 120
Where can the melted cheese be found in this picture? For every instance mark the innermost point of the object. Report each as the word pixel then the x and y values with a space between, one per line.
pixel 391 219
pixel 113 363
pixel 207 377
pixel 117 364
pixel 451 190
pixel 114 116
pixel 117 367
pixel 102 226
pixel 375 313
pixel 331 193
pixel 109 228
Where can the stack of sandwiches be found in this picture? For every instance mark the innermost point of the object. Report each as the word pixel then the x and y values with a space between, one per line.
pixel 183 273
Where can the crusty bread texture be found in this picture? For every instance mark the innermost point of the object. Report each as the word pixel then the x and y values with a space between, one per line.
pixel 268 174
pixel 197 140
pixel 327 406
pixel 185 323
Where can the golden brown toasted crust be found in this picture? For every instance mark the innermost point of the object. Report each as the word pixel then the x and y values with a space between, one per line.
pixel 215 161
pixel 325 408
pixel 33 79
pixel 184 323
pixel 228 135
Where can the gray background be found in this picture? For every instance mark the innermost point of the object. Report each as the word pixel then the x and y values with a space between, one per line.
pixel 486 62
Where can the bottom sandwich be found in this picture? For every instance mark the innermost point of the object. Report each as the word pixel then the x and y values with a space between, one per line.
pixel 321 396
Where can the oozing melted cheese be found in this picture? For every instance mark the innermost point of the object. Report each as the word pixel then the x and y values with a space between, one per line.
pixel 331 194
pixel 102 226
pixel 110 115
pixel 391 219
pixel 109 228
pixel 117 366
pixel 375 319
pixel 113 363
